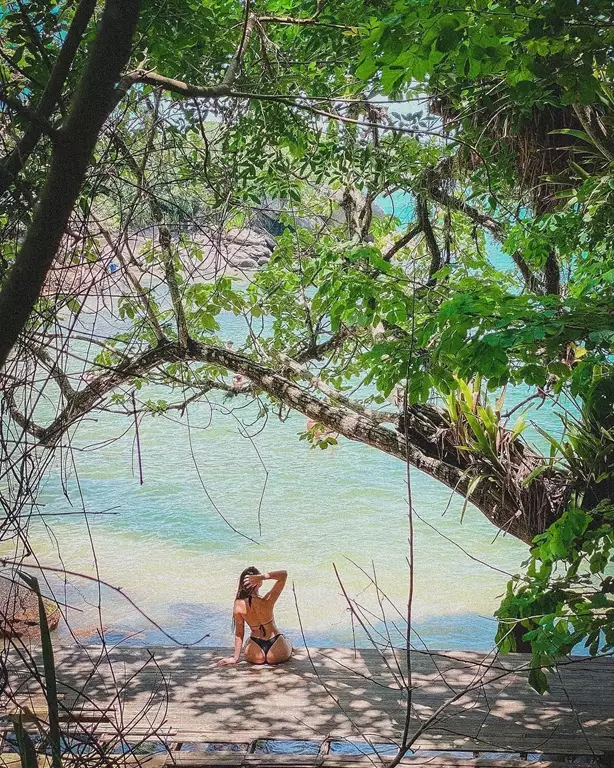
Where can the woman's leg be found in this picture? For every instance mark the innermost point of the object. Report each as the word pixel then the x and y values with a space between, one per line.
pixel 280 651
pixel 253 653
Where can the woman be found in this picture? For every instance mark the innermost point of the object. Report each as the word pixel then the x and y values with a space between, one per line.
pixel 266 644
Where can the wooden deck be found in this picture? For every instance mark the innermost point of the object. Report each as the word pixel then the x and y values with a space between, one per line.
pixel 475 702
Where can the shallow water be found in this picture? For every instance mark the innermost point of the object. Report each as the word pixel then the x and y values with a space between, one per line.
pixel 221 492
pixel 218 496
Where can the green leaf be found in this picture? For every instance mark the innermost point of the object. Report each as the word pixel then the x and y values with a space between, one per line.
pixel 51 692
pixel 27 752
pixel 535 473
pixel 574 132
pixel 538 680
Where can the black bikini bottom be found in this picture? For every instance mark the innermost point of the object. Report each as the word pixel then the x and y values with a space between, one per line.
pixel 265 644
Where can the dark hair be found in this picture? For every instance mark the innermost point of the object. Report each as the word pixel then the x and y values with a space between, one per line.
pixel 243 592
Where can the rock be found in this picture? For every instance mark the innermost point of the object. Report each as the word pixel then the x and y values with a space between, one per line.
pixel 19 610
pixel 249 252
pixel 268 239
pixel 266 216
pixel 263 260
pixel 267 222
pixel 245 263
pixel 250 237
pixel 235 254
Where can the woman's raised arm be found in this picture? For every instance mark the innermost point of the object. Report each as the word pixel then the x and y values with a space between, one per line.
pixel 280 582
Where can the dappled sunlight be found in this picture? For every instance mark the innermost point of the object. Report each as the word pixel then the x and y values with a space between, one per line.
pixel 344 694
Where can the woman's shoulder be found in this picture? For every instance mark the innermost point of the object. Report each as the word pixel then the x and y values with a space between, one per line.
pixel 240 606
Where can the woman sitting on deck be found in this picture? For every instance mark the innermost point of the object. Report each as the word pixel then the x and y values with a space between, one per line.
pixel 266 645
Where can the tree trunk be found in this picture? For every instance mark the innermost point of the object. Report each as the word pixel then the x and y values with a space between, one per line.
pixel 72 152
pixel 16 159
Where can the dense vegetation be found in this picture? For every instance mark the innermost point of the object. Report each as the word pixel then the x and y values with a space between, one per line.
pixel 495 119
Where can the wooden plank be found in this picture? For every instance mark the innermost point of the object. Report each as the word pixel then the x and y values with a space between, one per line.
pixel 192 760
pixel 348 694
pixel 208 759
pixel 9 760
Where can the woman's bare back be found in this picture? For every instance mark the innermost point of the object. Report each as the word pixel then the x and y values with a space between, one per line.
pixel 258 615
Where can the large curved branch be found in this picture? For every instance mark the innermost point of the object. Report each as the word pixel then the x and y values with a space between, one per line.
pixel 72 152
pixel 27 424
pixel 522 511
pixel 315 382
pixel 56 371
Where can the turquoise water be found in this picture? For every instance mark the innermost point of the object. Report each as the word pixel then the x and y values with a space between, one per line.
pixel 222 490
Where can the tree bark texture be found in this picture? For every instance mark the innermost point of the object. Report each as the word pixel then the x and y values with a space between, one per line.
pixel 15 161
pixel 520 510
pixel 72 152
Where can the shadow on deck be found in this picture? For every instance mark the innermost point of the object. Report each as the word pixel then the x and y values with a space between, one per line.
pixel 470 701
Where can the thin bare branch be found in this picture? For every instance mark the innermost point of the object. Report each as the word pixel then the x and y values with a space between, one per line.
pixel 402 242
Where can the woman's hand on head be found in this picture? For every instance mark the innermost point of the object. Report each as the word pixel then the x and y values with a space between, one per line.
pixel 253 580
pixel 229 661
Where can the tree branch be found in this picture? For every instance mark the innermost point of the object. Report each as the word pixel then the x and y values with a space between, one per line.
pixel 402 242
pixel 552 274
pixel 174 86
pixel 492 225
pixel 30 114
pixel 71 156
pixel 164 237
pixel 142 294
pixel 52 92
pixel 429 236
pixel 23 421
pixel 318 351
pixel 293 20
pixel 235 65
pixel 379 417
pixel 523 511
pixel 55 369
pixel 519 510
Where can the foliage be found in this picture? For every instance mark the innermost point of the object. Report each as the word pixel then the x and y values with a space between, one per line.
pixel 498 153
pixel 538 53
pixel 565 596
pixel 53 736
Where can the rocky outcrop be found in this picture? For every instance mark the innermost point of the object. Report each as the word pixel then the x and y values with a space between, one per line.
pixel 19 610
pixel 244 249
pixel 205 249
pixel 267 216
pixel 248 248
pixel 251 238
pixel 205 253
